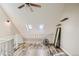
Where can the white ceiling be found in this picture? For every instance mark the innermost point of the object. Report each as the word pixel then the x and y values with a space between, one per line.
pixel 48 14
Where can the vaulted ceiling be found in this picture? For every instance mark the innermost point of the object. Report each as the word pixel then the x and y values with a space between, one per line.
pixel 48 14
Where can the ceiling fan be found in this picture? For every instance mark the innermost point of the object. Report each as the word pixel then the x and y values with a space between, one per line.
pixel 29 5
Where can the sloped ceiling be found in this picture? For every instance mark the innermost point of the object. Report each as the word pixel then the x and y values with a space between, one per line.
pixel 48 14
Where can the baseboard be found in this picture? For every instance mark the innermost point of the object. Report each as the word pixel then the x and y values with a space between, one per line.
pixel 66 52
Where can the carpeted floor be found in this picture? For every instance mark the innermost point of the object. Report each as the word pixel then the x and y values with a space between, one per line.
pixel 41 50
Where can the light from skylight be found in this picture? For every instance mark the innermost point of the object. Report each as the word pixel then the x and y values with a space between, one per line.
pixel 30 27
pixel 41 27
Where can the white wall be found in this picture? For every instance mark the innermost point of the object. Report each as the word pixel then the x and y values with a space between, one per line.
pixel 8 29
pixel 4 27
pixel 70 29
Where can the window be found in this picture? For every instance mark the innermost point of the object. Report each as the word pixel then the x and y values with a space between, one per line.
pixel 28 27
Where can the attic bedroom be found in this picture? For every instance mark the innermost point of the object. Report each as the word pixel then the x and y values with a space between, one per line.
pixel 39 29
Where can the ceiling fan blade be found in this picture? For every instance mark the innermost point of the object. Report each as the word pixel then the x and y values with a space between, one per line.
pixel 21 6
pixel 36 5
